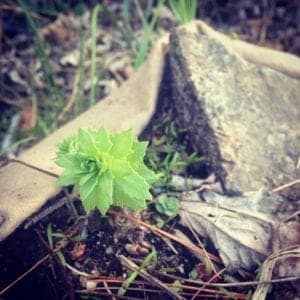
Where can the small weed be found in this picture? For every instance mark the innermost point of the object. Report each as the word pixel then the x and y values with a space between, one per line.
pixel 144 44
pixel 149 259
pixel 184 10
pixel 43 57
pixel 139 47
pixel 166 155
pixel 106 169
pixel 50 236
pixel 94 77
pixel 168 206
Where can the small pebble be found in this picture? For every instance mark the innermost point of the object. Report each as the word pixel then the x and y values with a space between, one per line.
pixel 90 285
pixel 109 250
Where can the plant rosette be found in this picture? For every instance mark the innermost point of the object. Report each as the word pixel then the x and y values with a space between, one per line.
pixel 107 169
pixel 168 206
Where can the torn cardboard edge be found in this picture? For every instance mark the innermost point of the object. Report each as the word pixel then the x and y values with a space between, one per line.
pixel 25 190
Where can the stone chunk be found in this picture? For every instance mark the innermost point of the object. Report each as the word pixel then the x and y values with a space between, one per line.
pixel 244 118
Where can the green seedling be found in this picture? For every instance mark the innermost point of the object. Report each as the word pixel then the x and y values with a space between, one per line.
pixel 50 236
pixel 167 206
pixel 151 258
pixel 184 10
pixel 94 79
pixel 106 169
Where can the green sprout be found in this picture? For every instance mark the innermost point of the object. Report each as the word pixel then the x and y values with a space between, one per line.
pixel 184 10
pixel 106 169
pixel 168 206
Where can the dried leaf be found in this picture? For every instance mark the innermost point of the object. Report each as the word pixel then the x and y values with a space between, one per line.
pixel 78 252
pixel 28 114
pixel 243 229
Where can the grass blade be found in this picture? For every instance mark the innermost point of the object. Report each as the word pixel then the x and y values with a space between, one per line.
pixel 184 10
pixel 93 79
pixel 79 94
pixel 144 45
pixel 44 59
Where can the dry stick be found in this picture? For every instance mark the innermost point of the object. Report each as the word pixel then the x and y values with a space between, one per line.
pixel 72 97
pixel 132 266
pixel 58 262
pixel 163 233
pixel 108 290
pixel 100 279
pixel 9 101
pixel 184 293
pixel 201 244
pixel 285 186
pixel 209 281
pixel 63 243
pixel 88 292
pixel 25 274
pixel 44 213
pixel 238 284
pixel 33 167
pixel 139 282
pixel 77 272
pixel 292 252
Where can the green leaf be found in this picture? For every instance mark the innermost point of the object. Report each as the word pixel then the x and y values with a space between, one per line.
pixel 135 186
pixel 103 141
pixel 168 206
pixel 87 188
pixel 71 162
pixel 121 199
pixel 135 204
pixel 85 178
pixel 146 173
pixel 90 202
pixel 106 169
pixel 122 143
pixel 86 142
pixel 120 168
pixel 104 192
pixel 119 196
pixel 66 146
pixel 139 150
pixel 67 178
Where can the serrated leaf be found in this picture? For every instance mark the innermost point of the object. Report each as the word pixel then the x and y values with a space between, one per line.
pixel 146 173
pixel 135 186
pixel 87 188
pixel 122 199
pixel 103 141
pixel 135 204
pixel 122 143
pixel 90 202
pixel 67 178
pixel 85 178
pixel 119 196
pixel 86 142
pixel 168 206
pixel 71 162
pixel 139 150
pixel 120 168
pixel 104 192
pixel 106 169
pixel 66 146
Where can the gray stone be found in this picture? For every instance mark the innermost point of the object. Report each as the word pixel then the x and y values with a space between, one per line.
pixel 244 118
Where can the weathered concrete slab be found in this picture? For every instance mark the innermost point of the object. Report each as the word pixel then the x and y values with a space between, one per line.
pixel 24 198
pixel 244 117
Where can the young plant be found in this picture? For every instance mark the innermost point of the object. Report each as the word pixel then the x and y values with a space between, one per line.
pixel 184 10
pixel 168 206
pixel 106 169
